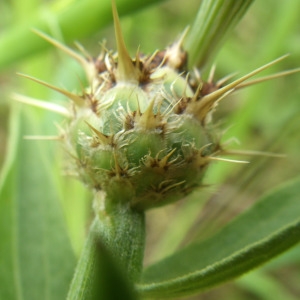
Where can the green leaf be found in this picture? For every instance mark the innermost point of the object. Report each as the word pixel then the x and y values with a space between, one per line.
pixel 36 258
pixel 269 228
pixel 259 284
pixel 80 19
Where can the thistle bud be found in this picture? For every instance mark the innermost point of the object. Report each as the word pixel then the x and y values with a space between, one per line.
pixel 135 137
pixel 141 133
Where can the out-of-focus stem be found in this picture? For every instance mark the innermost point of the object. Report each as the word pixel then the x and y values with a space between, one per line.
pixel 215 19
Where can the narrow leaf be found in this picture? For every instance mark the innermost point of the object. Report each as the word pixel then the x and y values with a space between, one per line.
pixel 269 228
pixel 36 258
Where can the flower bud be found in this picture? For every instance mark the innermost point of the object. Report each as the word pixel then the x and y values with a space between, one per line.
pixel 140 132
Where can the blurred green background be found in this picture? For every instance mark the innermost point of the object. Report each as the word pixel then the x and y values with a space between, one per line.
pixel 264 117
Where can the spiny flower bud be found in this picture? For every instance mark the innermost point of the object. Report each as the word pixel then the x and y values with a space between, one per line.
pixel 141 133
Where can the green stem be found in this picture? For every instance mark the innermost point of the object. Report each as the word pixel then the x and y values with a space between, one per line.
pixel 121 231
pixel 215 19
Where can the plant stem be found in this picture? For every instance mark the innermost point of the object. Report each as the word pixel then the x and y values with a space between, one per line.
pixel 121 231
pixel 215 19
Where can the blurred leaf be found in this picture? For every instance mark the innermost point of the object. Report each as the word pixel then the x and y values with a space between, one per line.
pixel 81 18
pixel 261 284
pixel 36 259
pixel 269 228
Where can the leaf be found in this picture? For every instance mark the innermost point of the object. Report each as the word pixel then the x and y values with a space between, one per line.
pixel 269 228
pixel 80 19
pixel 259 284
pixel 36 258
